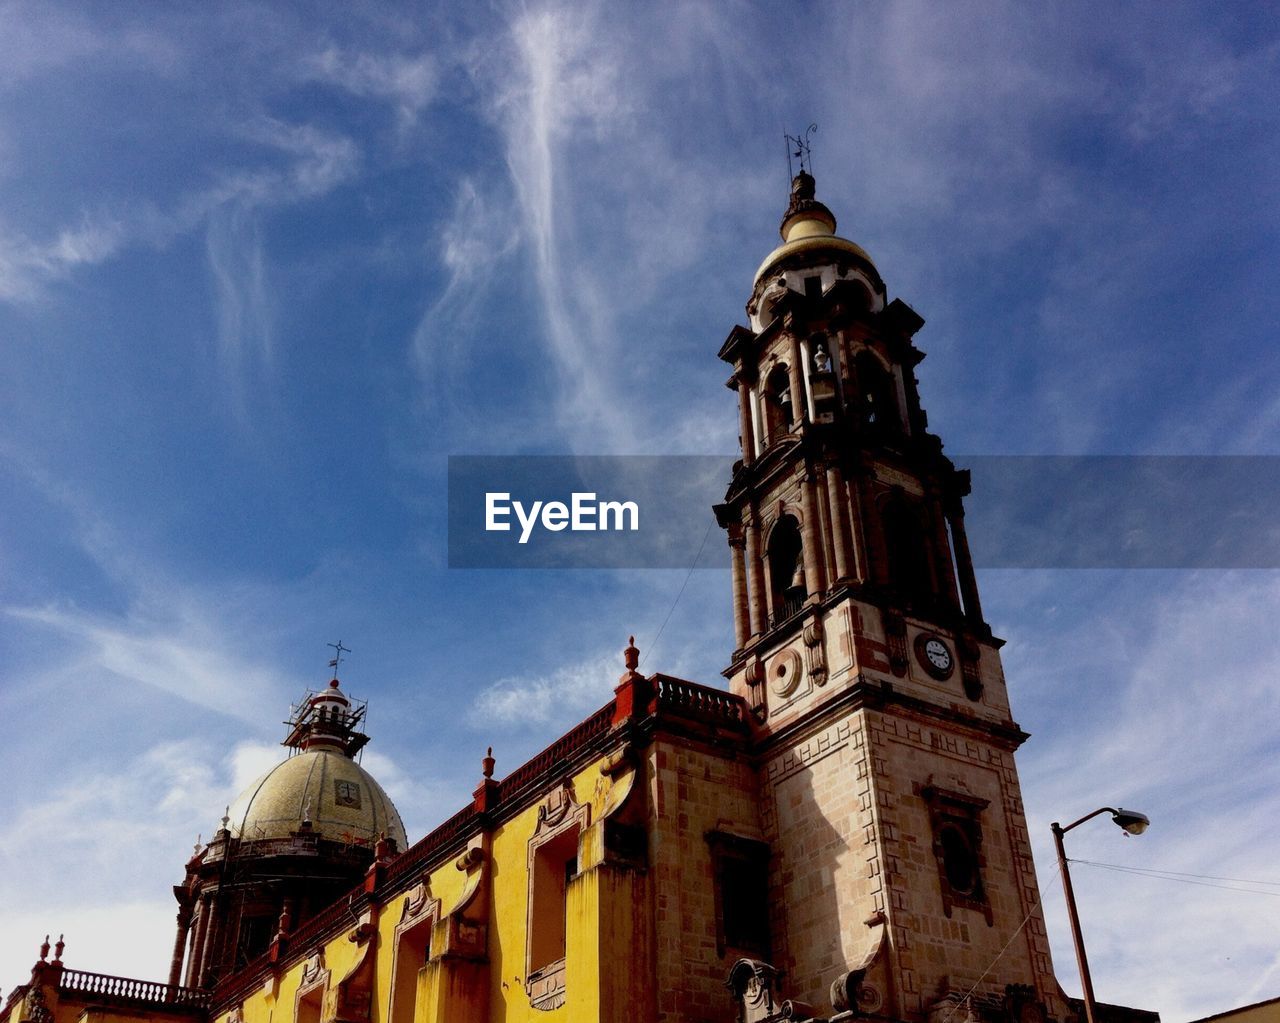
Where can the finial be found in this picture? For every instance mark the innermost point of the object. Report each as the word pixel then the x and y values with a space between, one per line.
pixel 631 655
pixel 338 651
pixel 487 763
pixel 798 147
pixel 57 949
pixel 226 817
pixel 44 949
pixel 196 850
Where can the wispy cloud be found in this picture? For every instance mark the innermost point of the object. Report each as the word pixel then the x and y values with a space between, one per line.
pixel 134 823
pixel 245 315
pixel 1165 708
pixel 556 698
pixel 409 83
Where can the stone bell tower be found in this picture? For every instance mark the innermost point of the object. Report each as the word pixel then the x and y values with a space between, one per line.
pixel 901 880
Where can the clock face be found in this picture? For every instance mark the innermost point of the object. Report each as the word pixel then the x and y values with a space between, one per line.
pixel 936 656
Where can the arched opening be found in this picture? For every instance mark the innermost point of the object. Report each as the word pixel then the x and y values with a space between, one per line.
pixel 878 409
pixel 779 408
pixel 786 568
pixel 905 550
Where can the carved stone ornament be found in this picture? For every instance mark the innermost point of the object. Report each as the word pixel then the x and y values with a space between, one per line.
pixel 815 651
pixel 37 1009
pixel 546 987
pixel 785 673
pixel 418 902
pixel 236 1015
pixel 752 983
pixel 313 969
pixel 895 632
pixel 555 808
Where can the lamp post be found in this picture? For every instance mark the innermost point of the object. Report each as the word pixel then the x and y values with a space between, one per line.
pixel 1132 823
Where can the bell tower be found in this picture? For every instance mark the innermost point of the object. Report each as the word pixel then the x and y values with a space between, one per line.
pixel 901 881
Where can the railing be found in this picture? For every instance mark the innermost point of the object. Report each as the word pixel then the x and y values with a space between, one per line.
pixel 557 755
pixel 420 855
pixel 127 989
pixel 691 699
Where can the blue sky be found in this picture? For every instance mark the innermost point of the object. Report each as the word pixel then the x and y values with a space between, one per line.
pixel 263 268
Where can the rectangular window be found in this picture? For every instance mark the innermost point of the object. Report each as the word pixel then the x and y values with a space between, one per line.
pixel 740 869
pixel 957 847
pixel 555 863
pixel 412 950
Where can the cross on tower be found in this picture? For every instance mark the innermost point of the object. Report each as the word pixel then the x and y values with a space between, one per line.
pixel 798 148
pixel 338 651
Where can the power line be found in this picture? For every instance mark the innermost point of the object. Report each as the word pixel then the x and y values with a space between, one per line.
pixel 688 576
pixel 1181 879
pixel 1175 873
pixel 990 966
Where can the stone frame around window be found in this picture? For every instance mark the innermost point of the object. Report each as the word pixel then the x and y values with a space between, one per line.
pixel 958 813
pixel 736 851
pixel 558 815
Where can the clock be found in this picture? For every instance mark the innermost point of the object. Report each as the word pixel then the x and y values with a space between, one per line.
pixel 935 656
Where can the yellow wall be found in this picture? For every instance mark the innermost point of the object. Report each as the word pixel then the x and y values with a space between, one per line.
pixel 606 907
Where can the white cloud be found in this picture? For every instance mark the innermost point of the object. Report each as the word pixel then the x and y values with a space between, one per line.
pixel 26 265
pixel 1174 700
pixel 410 83
pixel 96 853
pixel 536 701
pixel 245 312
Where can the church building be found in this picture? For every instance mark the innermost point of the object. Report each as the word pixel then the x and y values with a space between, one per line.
pixel 839 835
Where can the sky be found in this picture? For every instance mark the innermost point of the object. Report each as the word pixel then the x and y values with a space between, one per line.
pixel 264 267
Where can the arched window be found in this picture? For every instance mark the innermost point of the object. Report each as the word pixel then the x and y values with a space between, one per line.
pixel 907 556
pixel 786 568
pixel 877 399
pixel 779 408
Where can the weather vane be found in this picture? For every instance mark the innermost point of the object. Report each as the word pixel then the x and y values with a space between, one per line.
pixel 338 651
pixel 798 149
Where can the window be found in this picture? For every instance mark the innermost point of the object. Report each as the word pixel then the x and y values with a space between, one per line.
pixel 740 868
pixel 310 998
pixel 877 401
pixel 412 949
pixel 786 569
pixel 957 847
pixel 813 287
pixel 779 409
pixel 905 548
pixel 553 864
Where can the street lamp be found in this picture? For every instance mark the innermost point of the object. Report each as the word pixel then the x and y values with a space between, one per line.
pixel 1132 823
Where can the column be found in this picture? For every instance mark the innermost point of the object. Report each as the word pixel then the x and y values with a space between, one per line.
pixel 741 608
pixel 839 523
pixel 806 365
pixel 861 566
pixel 810 538
pixel 755 578
pixel 744 422
pixel 197 947
pixel 757 446
pixel 180 944
pixel 799 408
pixel 964 564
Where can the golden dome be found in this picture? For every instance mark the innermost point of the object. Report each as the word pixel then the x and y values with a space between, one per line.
pixel 339 797
pixel 808 227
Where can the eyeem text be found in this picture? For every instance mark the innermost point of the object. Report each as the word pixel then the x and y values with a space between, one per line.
pixel 582 514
